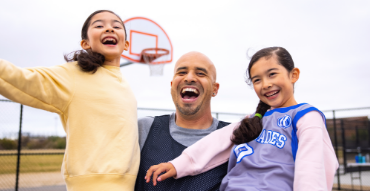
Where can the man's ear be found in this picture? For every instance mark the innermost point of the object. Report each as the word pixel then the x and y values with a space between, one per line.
pixel 85 44
pixel 127 44
pixel 295 75
pixel 216 86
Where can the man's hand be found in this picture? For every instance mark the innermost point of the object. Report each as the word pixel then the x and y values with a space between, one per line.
pixel 157 170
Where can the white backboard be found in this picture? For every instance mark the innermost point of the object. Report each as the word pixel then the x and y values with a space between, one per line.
pixel 144 33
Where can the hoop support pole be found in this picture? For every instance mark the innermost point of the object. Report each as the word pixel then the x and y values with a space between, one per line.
pixel 125 64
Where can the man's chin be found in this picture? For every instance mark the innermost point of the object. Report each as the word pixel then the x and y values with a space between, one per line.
pixel 188 110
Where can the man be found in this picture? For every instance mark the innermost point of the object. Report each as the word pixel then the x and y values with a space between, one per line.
pixel 163 138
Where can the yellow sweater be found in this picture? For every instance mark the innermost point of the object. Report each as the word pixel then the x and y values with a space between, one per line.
pixel 99 116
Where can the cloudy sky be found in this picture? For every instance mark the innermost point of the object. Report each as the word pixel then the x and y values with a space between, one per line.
pixel 329 42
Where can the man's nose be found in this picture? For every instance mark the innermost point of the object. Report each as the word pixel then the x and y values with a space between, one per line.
pixel 190 77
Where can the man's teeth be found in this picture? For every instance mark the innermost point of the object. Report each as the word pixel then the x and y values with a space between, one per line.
pixel 190 90
pixel 272 93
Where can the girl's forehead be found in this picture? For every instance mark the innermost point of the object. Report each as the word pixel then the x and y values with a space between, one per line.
pixel 105 16
pixel 263 65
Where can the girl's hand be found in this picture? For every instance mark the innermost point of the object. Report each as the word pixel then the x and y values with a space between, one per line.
pixel 157 170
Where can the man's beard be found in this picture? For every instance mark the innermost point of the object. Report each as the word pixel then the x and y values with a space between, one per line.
pixel 187 110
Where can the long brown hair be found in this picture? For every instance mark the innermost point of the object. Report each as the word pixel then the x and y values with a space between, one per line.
pixel 250 128
pixel 88 60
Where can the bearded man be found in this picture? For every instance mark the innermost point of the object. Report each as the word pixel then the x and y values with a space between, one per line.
pixel 163 138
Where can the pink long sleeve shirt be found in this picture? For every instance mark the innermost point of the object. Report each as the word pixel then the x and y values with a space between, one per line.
pixel 315 164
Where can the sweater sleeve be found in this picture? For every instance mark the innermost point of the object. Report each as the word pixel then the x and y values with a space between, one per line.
pixel 316 162
pixel 207 153
pixel 41 87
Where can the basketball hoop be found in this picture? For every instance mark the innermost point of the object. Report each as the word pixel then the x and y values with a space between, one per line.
pixel 150 56
pixel 149 44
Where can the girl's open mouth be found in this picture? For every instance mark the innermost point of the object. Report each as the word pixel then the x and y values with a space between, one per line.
pixel 272 94
pixel 109 41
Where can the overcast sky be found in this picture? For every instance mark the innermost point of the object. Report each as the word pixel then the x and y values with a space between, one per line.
pixel 329 41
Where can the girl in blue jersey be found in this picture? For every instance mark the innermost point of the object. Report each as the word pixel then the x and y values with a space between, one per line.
pixel 283 146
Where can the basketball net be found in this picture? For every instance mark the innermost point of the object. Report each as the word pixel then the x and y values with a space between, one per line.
pixel 153 57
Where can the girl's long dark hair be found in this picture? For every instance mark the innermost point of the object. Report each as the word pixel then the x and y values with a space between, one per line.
pixel 250 128
pixel 88 60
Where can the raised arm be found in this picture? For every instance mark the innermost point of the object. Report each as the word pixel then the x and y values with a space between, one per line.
pixel 207 153
pixel 44 88
pixel 316 162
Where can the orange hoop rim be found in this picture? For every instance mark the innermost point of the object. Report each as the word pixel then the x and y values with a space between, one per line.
pixel 148 58
pixel 155 54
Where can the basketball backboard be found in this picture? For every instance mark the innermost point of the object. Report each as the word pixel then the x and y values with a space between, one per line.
pixel 143 33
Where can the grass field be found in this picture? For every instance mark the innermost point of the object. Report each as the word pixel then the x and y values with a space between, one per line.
pixel 31 163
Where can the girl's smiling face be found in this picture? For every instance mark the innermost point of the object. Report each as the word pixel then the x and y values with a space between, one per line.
pixel 272 82
pixel 106 35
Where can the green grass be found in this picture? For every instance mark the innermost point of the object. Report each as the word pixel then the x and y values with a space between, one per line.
pixel 31 163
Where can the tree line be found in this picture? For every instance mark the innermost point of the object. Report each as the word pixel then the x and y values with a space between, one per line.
pixel 52 142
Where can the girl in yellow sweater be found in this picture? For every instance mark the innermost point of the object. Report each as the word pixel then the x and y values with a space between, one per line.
pixel 95 104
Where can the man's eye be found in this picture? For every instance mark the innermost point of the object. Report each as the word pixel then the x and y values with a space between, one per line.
pixel 201 74
pixel 272 74
pixel 117 27
pixel 256 80
pixel 99 26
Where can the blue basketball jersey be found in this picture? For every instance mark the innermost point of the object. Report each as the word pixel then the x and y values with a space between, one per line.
pixel 267 163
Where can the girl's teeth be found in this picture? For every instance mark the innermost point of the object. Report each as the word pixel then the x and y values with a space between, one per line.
pixel 110 39
pixel 272 94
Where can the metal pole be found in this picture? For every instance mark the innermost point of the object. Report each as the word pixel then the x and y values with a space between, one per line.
pixel 125 64
pixel 336 147
pixel 216 115
pixel 19 148
pixel 344 146
pixel 368 132
pixel 357 137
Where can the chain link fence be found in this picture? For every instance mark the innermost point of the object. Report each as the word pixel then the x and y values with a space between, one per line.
pixel 23 165
pixel 351 140
pixel 26 167
pixel 10 121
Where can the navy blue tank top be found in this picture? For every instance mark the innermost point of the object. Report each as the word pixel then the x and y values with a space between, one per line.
pixel 160 147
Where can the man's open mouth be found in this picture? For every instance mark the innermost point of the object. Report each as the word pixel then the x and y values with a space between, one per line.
pixel 109 41
pixel 189 93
